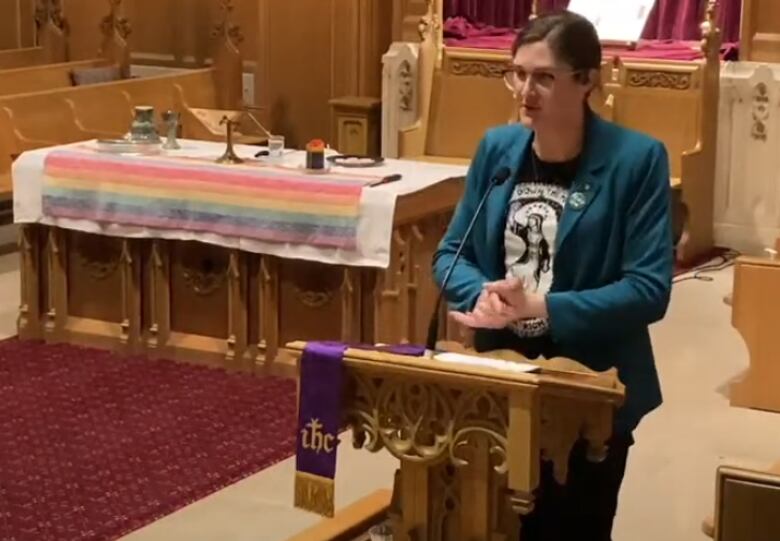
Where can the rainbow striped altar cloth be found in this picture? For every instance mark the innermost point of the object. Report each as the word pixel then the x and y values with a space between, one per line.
pixel 252 200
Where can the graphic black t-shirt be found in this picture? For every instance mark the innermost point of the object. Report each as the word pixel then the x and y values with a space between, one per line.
pixel 535 209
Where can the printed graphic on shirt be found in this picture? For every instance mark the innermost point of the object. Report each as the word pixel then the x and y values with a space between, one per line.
pixel 529 240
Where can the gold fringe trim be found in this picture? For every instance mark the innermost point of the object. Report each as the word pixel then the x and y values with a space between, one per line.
pixel 314 493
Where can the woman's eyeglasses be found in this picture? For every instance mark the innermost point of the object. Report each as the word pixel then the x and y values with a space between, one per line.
pixel 515 77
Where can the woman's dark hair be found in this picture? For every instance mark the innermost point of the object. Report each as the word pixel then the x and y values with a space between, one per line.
pixel 572 38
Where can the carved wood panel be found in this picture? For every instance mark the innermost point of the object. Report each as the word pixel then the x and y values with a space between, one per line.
pixel 156 296
pixel 404 294
pixel 422 290
pixel 470 454
pixel 353 136
pixel 263 309
pixel 390 299
pixel 254 299
pixel 94 276
pixel 33 277
pixel 200 303
pixel 199 289
pixel 93 294
pixel 318 302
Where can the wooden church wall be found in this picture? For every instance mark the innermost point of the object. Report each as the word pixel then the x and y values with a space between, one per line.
pixel 312 51
pixel 17 24
pixel 760 31
pixel 303 53
pixel 174 33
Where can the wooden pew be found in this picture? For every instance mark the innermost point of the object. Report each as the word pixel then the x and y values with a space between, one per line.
pixel 52 43
pixel 37 76
pixel 65 115
pixel 105 109
pixel 688 94
pixel 746 501
pixel 755 315
pixel 20 58
pixel 45 77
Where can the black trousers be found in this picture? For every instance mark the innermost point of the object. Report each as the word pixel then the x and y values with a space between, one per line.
pixel 583 509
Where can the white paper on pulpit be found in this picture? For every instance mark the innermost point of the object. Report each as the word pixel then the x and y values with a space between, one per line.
pixel 487 362
pixel 615 20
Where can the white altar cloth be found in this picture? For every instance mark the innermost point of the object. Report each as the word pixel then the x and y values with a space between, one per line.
pixel 375 225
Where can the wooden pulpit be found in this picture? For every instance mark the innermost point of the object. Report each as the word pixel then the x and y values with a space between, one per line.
pixel 470 434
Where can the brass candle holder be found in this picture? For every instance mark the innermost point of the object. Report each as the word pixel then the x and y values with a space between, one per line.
pixel 229 156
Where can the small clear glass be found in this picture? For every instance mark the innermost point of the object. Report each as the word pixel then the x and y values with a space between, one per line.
pixel 275 146
pixel 381 532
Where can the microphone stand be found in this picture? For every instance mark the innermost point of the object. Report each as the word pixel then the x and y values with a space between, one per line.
pixel 433 326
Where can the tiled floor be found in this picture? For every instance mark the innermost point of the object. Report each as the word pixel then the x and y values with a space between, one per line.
pixel 670 480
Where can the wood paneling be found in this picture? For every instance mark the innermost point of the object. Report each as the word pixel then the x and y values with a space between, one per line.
pixel 175 33
pixel 9 25
pixel 754 314
pixel 84 18
pixel 17 24
pixel 760 40
pixel 179 32
pixel 158 29
pixel 339 55
pixel 26 23
pixel 406 17
pixel 294 86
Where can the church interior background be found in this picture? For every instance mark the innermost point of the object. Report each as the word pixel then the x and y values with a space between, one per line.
pixel 153 362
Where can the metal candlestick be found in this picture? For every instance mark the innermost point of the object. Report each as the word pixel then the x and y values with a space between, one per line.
pixel 230 155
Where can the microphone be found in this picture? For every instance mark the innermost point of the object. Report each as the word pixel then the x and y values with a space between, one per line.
pixel 498 179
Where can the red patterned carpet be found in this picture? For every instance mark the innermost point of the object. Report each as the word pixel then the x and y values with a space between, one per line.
pixel 93 445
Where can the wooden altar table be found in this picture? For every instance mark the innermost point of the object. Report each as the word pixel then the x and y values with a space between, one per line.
pixel 229 301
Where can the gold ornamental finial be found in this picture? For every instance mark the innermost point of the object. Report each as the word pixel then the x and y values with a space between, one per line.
pixel 226 26
pixel 50 11
pixel 710 33
pixel 115 21
pixel 429 24
pixel 534 10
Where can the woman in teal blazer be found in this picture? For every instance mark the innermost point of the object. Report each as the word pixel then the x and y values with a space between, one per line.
pixel 571 257
pixel 613 253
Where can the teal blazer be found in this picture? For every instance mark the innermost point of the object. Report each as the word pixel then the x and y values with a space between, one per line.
pixel 614 256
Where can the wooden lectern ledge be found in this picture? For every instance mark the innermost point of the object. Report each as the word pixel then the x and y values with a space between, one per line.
pixel 557 372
